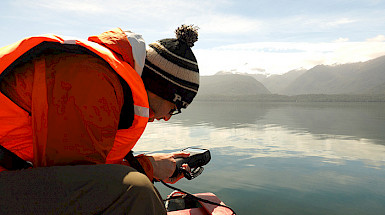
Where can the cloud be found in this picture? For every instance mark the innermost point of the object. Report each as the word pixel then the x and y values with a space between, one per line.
pixel 339 22
pixel 341 40
pixel 143 8
pixel 221 22
pixel 281 57
pixel 205 14
pixel 228 24
pixel 379 38
pixel 68 5
pixel 306 23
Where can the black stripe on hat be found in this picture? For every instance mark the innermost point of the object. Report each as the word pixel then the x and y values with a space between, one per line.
pixel 188 84
pixel 157 84
pixel 180 62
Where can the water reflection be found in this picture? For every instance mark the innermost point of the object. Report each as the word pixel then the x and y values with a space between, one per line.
pixel 283 158
pixel 360 120
pixel 333 132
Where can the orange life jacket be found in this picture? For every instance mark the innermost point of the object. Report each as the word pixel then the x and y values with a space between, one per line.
pixel 15 123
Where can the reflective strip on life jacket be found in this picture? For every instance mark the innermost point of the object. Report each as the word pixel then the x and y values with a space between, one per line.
pixel 141 111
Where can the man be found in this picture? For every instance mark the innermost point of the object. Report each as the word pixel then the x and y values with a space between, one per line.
pixel 75 109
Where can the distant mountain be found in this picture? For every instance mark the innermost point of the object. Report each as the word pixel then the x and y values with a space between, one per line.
pixel 363 78
pixel 230 85
pixel 379 89
pixel 278 83
pixel 353 78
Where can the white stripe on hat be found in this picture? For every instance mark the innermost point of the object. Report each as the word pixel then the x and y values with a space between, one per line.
pixel 171 68
pixel 168 79
pixel 177 56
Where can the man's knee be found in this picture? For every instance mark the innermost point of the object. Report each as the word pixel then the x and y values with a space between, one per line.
pixel 138 180
pixel 128 179
pixel 139 196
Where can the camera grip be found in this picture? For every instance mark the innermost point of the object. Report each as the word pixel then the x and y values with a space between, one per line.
pixel 179 162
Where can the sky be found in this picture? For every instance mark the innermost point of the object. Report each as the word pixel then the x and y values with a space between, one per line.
pixel 268 37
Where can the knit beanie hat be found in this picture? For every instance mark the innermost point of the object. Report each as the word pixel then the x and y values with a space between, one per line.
pixel 171 70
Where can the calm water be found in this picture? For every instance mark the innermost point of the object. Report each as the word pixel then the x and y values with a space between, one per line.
pixel 283 158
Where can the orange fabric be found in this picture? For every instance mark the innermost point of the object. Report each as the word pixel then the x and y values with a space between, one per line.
pixel 85 98
pixel 39 111
pixel 117 41
pixel 132 77
pixel 125 138
pixel 17 127
pixel 10 53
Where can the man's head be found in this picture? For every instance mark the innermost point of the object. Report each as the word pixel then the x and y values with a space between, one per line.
pixel 171 70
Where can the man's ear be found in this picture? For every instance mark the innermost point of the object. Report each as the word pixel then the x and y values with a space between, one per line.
pixel 154 100
pixel 151 97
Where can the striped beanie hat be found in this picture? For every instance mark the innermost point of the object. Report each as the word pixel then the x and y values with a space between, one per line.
pixel 171 70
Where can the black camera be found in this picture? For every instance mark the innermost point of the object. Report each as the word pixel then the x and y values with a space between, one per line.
pixel 198 158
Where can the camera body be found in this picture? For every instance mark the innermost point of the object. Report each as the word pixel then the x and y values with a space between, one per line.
pixel 198 158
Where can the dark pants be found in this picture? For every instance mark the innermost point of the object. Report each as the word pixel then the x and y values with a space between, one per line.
pixel 91 189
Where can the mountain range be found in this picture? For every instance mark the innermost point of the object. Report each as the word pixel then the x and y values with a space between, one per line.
pixel 349 79
pixel 231 85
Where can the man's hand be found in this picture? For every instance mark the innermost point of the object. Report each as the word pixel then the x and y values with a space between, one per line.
pixel 164 165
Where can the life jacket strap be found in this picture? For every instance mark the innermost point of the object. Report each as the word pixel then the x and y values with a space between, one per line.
pixel 134 162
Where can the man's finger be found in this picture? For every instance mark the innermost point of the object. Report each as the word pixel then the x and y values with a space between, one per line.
pixel 181 154
pixel 186 167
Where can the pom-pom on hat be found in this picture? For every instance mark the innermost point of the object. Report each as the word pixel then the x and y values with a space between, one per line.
pixel 171 69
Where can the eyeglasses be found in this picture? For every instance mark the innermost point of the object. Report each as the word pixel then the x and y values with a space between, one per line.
pixel 175 111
